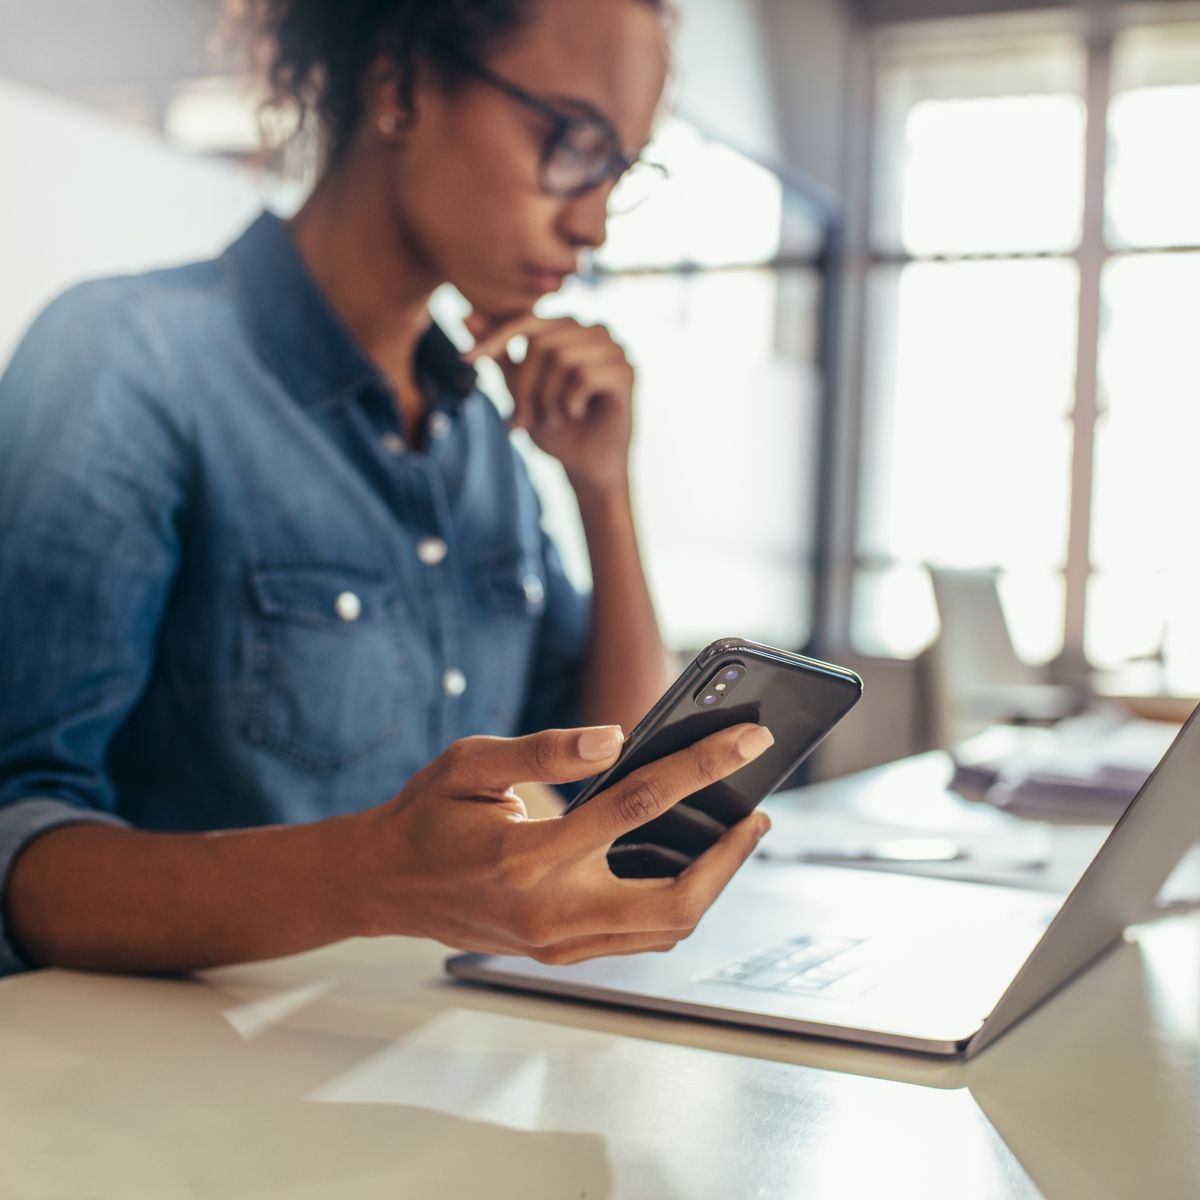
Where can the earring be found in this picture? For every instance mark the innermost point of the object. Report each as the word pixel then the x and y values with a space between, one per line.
pixel 388 125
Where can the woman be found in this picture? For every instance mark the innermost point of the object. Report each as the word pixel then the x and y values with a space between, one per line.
pixel 269 556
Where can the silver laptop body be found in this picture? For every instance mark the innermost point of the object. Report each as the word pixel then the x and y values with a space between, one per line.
pixel 936 966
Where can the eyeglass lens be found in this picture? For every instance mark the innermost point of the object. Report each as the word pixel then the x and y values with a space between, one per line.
pixel 582 156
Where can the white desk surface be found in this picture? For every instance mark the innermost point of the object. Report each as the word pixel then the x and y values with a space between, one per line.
pixel 360 1071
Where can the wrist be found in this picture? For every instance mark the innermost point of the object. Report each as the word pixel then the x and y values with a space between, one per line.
pixel 601 496
pixel 347 876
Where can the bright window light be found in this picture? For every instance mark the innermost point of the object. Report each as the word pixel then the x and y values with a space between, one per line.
pixel 968 462
pixel 994 175
pixel 1146 508
pixel 717 208
pixel 1154 172
pixel 980 147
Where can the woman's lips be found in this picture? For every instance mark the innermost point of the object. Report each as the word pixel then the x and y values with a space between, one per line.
pixel 545 279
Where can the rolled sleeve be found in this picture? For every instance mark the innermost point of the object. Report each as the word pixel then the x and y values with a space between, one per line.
pixel 20 824
pixel 90 488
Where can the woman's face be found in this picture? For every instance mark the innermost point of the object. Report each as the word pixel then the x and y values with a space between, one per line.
pixel 466 196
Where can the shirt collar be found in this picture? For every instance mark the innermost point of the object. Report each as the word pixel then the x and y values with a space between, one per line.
pixel 300 336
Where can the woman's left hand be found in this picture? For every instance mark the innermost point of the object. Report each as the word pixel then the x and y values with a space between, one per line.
pixel 573 392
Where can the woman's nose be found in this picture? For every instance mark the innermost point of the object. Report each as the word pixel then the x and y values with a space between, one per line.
pixel 585 218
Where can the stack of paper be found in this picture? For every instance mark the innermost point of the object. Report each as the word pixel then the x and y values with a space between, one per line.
pixel 1087 768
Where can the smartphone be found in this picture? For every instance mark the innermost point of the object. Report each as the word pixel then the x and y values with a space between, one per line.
pixel 730 682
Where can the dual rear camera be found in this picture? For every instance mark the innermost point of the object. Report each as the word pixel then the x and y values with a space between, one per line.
pixel 718 687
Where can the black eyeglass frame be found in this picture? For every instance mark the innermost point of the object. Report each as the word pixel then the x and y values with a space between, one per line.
pixel 617 163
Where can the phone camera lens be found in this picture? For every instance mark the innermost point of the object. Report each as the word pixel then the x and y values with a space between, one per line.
pixel 720 685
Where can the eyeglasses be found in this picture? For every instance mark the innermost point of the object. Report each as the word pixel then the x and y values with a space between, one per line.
pixel 581 150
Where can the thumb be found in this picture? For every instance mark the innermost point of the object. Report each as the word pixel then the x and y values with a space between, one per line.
pixel 552 756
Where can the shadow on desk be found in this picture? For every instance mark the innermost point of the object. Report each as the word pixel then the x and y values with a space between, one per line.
pixel 192 1109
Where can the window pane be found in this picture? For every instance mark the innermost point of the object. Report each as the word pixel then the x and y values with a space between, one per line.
pixel 1126 616
pixel 967 451
pixel 980 147
pixel 724 463
pixel 1146 508
pixel 892 613
pixel 1034 606
pixel 1154 174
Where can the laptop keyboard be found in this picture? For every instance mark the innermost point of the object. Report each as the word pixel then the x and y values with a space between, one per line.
pixel 801 965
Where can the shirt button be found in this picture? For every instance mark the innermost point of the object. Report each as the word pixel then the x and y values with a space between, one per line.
pixel 535 593
pixel 439 425
pixel 393 443
pixel 454 682
pixel 431 551
pixel 348 606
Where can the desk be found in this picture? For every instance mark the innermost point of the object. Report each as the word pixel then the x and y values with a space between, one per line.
pixel 360 1071
pixel 1145 690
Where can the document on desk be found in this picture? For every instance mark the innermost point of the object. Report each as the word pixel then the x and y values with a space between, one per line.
pixel 1085 769
pixel 988 846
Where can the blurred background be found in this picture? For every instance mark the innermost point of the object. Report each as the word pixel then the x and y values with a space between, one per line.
pixel 916 320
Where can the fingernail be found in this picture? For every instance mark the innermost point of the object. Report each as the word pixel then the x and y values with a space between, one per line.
pixel 754 741
pixel 764 825
pixel 602 741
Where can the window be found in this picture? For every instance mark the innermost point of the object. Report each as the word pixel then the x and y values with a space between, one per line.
pixel 1033 378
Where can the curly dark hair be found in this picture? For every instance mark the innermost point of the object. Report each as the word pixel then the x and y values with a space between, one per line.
pixel 314 53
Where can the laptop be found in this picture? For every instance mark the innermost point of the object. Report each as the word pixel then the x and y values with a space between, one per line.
pixel 936 966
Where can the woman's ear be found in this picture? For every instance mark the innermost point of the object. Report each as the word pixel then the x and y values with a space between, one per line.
pixel 387 110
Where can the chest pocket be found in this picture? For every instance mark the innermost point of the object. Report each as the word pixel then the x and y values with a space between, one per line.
pixel 511 592
pixel 326 664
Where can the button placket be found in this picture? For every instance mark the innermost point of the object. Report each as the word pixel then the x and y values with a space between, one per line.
pixel 431 551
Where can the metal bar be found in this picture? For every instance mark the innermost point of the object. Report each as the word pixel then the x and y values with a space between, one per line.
pixel 1093 254
pixel 824 551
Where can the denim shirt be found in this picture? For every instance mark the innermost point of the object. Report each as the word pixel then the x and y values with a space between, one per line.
pixel 232 592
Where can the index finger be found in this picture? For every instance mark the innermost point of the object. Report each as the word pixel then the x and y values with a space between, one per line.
pixel 497 338
pixel 649 791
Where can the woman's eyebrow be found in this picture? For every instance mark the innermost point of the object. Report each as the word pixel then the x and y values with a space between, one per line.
pixel 587 108
pixel 577 103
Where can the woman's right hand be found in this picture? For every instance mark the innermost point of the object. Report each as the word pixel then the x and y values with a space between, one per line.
pixel 455 857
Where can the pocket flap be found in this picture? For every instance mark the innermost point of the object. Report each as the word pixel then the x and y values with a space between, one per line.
pixel 513 581
pixel 320 593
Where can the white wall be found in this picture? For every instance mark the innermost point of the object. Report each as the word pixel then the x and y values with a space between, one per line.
pixel 723 77
pixel 810 43
pixel 769 76
pixel 85 195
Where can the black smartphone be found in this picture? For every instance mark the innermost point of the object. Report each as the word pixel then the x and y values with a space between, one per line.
pixel 730 682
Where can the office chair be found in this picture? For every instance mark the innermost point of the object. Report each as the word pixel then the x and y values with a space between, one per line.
pixel 976 678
